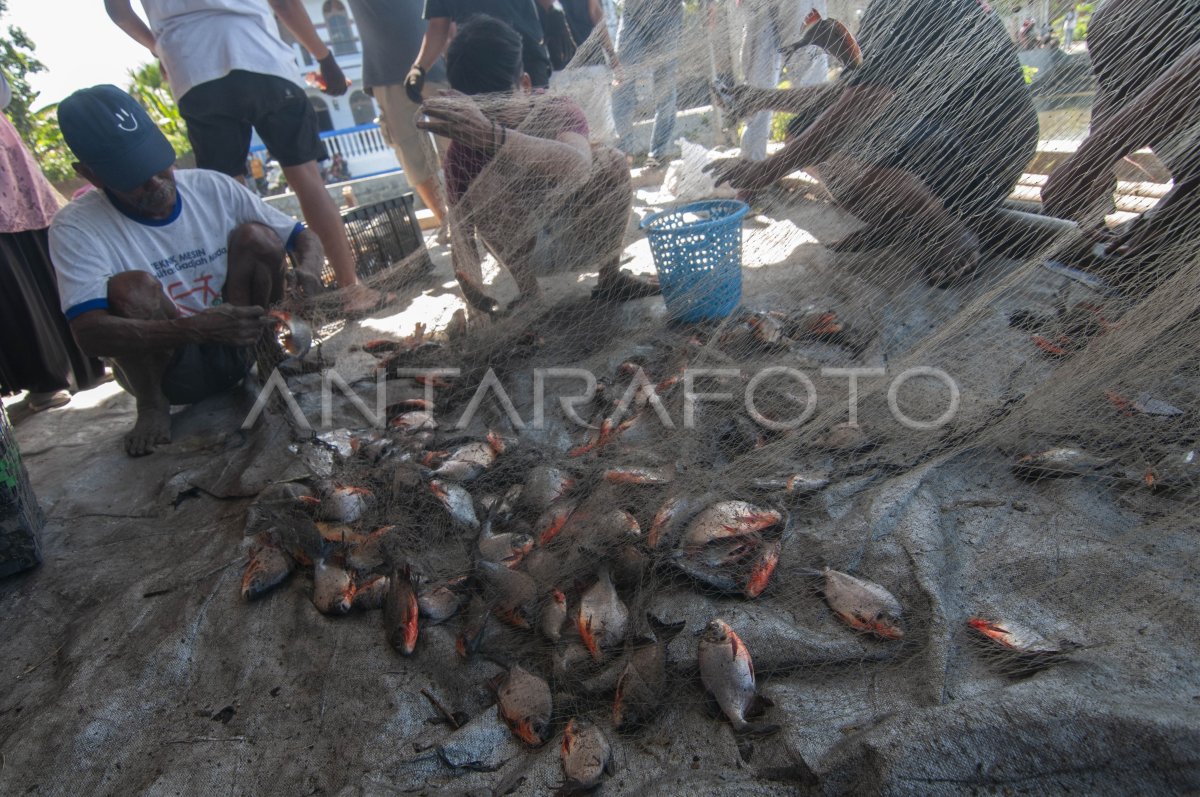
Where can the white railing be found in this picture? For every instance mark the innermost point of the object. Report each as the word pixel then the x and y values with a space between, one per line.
pixel 363 148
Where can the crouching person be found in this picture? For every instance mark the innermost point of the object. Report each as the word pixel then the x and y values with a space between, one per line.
pixel 519 163
pixel 167 273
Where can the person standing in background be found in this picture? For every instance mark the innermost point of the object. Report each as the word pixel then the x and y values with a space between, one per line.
pixel 770 26
pixel 392 31
pixel 520 15
pixel 38 353
pixel 1069 22
pixel 230 72
pixel 585 18
pixel 648 37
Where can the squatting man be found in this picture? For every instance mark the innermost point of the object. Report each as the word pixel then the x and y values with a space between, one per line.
pixel 166 273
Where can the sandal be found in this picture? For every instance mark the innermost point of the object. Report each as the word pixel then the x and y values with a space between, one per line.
pixel 47 400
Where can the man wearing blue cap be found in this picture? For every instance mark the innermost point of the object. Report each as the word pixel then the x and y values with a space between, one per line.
pixel 168 273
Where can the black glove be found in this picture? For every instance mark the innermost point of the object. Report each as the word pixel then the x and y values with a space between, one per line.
pixel 334 77
pixel 414 83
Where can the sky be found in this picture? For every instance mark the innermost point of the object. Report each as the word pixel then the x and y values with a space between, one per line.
pixel 77 42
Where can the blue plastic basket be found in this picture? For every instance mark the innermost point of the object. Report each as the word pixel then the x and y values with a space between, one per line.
pixel 697 250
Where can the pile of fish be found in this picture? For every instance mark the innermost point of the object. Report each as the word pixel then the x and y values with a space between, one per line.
pixel 552 561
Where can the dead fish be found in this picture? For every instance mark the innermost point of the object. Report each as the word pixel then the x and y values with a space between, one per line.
pixel 457 501
pixel 525 705
pixel 511 593
pixel 728 519
pixel 554 614
pixel 469 461
pixel 274 504
pixel 545 485
pixel 763 567
pixel 727 672
pixel 367 554
pixel 669 518
pixel 720 579
pixel 1177 470
pixel 440 601
pixel 474 625
pixel 266 568
pixel 371 592
pixel 400 611
pixel 415 421
pixel 293 334
pixel 643 682
pixel 602 616
pixel 863 605
pixel 333 588
pixel 767 329
pixel 585 755
pixel 797 484
pixel 507 549
pixel 1010 637
pixel 554 520
pixel 1057 463
pixel 342 504
pixel 636 475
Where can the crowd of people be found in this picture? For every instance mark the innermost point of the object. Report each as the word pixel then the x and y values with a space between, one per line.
pixel 168 274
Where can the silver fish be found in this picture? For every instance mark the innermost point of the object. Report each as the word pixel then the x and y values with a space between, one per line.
pixel 545 485
pixel 511 594
pixel 401 612
pixel 603 618
pixel 586 756
pixel 343 504
pixel 470 460
pixel 440 601
pixel 863 605
pixel 797 484
pixel 474 626
pixel 728 519
pixel 266 568
pixel 727 672
pixel 554 614
pixel 457 501
pixel 415 421
pixel 643 681
pixel 1057 463
pixel 371 592
pixel 525 705
pixel 507 549
pixel 333 588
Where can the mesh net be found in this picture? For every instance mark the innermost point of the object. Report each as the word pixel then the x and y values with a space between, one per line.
pixel 982 418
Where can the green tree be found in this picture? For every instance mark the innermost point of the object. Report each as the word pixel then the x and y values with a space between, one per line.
pixel 17 62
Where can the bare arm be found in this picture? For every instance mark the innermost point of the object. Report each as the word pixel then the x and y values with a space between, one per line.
pixel 433 45
pixel 102 334
pixel 293 16
pixel 857 108
pixel 1084 179
pixel 310 258
pixel 121 12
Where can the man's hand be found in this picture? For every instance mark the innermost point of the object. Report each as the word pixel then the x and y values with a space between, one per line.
pixel 229 324
pixel 333 76
pixel 414 83
pixel 745 174
pixel 456 116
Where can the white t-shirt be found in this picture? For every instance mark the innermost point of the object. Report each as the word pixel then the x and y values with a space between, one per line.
pixel 202 40
pixel 91 240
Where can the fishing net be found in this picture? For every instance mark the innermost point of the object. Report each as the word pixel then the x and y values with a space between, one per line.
pixel 1005 444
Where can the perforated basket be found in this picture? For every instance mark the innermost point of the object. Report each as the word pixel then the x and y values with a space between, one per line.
pixel 697 250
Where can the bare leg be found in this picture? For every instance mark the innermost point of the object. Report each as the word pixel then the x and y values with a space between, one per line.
pixel 321 214
pixel 899 205
pixel 602 208
pixel 138 295
pixel 431 194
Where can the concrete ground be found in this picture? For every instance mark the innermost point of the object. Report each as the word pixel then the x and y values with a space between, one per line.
pixel 132 666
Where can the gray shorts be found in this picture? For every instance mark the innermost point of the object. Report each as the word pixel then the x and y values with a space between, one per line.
pixel 200 370
pixel 398 118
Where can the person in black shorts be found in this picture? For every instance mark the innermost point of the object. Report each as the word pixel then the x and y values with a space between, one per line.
pixel 231 73
pixel 920 142
pixel 520 15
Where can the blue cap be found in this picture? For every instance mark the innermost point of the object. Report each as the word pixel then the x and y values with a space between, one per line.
pixel 112 134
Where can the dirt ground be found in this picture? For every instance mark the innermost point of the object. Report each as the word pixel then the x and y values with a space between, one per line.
pixel 131 665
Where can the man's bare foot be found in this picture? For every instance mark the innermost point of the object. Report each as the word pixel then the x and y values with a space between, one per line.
pixel 153 426
pixel 621 286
